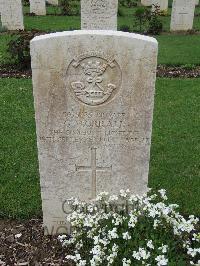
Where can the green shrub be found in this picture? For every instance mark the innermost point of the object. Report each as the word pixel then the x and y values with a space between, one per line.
pixel 142 16
pixel 19 49
pixel 155 24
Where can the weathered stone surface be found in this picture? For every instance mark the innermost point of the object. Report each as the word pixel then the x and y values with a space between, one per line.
pixel 99 14
pixel 53 2
pixel 146 2
pixel 12 15
pixel 182 15
pixel 163 4
pixel 94 97
pixel 38 7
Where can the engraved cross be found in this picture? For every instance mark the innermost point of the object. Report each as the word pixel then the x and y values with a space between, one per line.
pixel 94 169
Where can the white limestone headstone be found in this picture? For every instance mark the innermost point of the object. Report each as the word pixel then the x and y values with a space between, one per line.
pixel 53 2
pixel 162 4
pixel 146 2
pixel 99 14
pixel 94 98
pixel 12 14
pixel 38 7
pixel 182 15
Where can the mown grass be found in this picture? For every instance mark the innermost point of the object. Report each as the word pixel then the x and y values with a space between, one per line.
pixel 174 154
pixel 176 142
pixel 173 49
pixel 60 23
pixel 19 181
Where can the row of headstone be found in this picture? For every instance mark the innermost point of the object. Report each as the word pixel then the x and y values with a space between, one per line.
pixel 98 14
pixel 12 12
pixel 182 12
pixel 94 14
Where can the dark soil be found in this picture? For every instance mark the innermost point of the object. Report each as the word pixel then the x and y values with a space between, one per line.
pixel 178 72
pixel 23 243
pixel 13 72
pixel 162 71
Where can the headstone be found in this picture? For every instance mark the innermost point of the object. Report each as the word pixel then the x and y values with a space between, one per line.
pixel 182 15
pixel 99 14
pixel 12 14
pixel 146 2
pixel 162 4
pixel 38 7
pixel 197 2
pixel 94 97
pixel 53 2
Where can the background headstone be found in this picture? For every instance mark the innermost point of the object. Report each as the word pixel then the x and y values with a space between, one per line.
pixel 99 14
pixel 94 98
pixel 146 2
pixel 53 2
pixel 197 2
pixel 163 4
pixel 182 15
pixel 12 14
pixel 38 7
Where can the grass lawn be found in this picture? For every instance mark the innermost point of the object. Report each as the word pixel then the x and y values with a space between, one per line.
pixel 60 23
pixel 173 49
pixel 174 157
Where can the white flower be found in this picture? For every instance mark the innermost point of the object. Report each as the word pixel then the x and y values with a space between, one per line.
pixel 82 263
pixel 133 220
pixel 161 260
pixel 126 262
pixel 124 193
pixel 150 244
pixel 126 236
pixel 113 198
pixel 193 252
pixel 163 248
pixel 141 254
pixel 163 194
pixel 156 223
pixel 112 234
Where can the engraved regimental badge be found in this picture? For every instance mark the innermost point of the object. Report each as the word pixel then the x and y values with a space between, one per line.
pixel 93 79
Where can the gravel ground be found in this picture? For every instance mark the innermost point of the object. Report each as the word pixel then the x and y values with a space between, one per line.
pixel 23 244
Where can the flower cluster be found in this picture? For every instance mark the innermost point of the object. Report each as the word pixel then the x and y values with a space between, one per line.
pixel 132 230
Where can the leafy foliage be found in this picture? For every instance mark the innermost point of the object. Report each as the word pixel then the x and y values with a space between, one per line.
pixel 19 49
pixel 142 16
pixel 155 25
pixel 148 20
